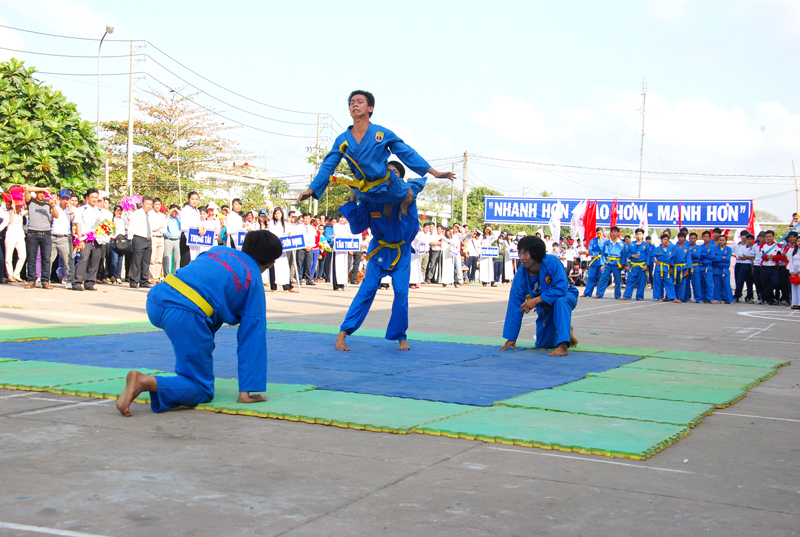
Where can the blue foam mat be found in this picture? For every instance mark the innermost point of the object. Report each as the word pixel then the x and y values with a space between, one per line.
pixel 448 372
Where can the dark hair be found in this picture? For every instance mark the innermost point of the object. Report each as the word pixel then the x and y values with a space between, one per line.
pixel 706 232
pixel 692 234
pixel 236 200
pixel 664 236
pixel 283 215
pixel 751 236
pixel 717 230
pixel 192 193
pixel 534 246
pixel 614 228
pixel 401 170
pixel 41 185
pixel 262 246
pixel 744 232
pixel 90 192
pixel 224 207
pixel 174 206
pixel 370 98
pixel 145 198
pixel 154 200
pixel 638 229
pixel 115 208
pixel 598 229
pixel 769 232
pixel 682 234
pixel 684 230
pixel 648 238
pixel 723 235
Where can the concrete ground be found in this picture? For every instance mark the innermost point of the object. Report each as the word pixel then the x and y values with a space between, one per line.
pixel 70 463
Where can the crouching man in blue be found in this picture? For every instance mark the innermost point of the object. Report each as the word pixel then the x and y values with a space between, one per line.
pixel 222 285
pixel 393 231
pixel 543 285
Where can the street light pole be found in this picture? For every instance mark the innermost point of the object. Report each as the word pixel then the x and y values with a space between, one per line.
pixel 109 30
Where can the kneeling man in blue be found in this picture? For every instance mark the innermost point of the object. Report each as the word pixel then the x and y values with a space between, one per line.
pixel 220 286
pixel 542 285
pixel 389 255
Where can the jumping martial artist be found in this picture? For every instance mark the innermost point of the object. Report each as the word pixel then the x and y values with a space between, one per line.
pixel 542 285
pixel 366 147
pixel 636 253
pixel 681 260
pixel 722 271
pixel 695 250
pixel 597 262
pixel 613 252
pixel 389 255
pixel 663 282
pixel 221 285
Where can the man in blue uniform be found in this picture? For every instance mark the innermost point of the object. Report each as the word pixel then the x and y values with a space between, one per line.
pixel 707 267
pixel 596 262
pixel 389 255
pixel 222 285
pixel 613 252
pixel 663 281
pixel 682 260
pixel 636 253
pixel 695 275
pixel 722 271
pixel 366 147
pixel 541 284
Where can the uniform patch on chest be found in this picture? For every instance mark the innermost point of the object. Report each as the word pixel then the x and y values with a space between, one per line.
pixel 375 215
pixel 378 136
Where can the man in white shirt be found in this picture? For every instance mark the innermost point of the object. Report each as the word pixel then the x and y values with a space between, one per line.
pixel 159 222
pixel 424 251
pixel 233 222
pixel 140 233
pixel 61 232
pixel 85 221
pixel 104 271
pixel 435 242
pixel 744 254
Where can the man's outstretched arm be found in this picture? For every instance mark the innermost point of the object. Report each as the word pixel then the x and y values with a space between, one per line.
pixel 323 178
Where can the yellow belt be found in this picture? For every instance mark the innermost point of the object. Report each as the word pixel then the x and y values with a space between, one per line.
pixel 594 258
pixel 661 266
pixel 189 293
pixel 676 269
pixel 362 184
pixel 640 264
pixel 615 259
pixel 384 244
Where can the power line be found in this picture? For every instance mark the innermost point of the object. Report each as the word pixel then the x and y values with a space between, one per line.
pixel 225 117
pixel 66 36
pixel 62 55
pixel 228 90
pixel 87 74
pixel 630 171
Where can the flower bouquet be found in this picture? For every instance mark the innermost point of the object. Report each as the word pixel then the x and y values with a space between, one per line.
pixel 130 202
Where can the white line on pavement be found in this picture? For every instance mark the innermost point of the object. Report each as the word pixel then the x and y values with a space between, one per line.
pixel 617 310
pixel 62 407
pixel 17 395
pixel 759 417
pixel 46 531
pixel 641 467
pixel 757 333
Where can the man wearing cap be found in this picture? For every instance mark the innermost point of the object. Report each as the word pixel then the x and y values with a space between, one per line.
pixel 41 211
pixel 61 234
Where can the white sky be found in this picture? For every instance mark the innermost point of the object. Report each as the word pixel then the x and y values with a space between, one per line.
pixel 556 82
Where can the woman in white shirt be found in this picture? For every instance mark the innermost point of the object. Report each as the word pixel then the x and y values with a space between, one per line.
pixel 447 259
pixel 15 240
pixel 190 219
pixel 487 262
pixel 279 273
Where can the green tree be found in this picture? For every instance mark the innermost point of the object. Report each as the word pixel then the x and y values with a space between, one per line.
pixel 173 132
pixel 277 189
pixel 474 205
pixel 42 137
pixel 336 194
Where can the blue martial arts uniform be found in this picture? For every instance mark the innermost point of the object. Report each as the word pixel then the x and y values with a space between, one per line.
pixel 722 274
pixel 595 264
pixel 663 280
pixel 682 261
pixel 368 160
pixel 650 262
pixel 554 315
pixel 638 275
pixel 228 284
pixel 696 276
pixel 707 271
pixel 612 253
pixel 389 255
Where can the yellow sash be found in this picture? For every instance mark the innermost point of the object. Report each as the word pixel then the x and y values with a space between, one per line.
pixel 676 269
pixel 362 184
pixel 661 266
pixel 384 244
pixel 189 293
pixel 615 259
pixel 594 258
pixel 641 265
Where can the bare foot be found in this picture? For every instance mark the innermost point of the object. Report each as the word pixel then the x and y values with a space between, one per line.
pixel 561 350
pixel 340 344
pixel 597 297
pixel 135 383
pixel 623 298
pixel 406 202
pixel 585 296
pixel 245 397
pixel 676 300
pixel 573 341
pixel 403 346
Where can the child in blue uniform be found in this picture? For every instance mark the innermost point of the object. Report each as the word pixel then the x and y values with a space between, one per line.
pixel 681 260
pixel 367 147
pixel 707 267
pixel 596 263
pixel 636 253
pixel 541 284
pixel 694 272
pixel 221 285
pixel 389 255
pixel 663 269
pixel 722 271
pixel 613 252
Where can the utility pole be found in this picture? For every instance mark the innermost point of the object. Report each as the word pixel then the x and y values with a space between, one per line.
pixel 464 194
pixel 129 171
pixel 452 191
pixel 796 192
pixel 316 163
pixel 641 147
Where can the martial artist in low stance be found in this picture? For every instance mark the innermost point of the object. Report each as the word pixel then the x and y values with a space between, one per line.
pixel 543 285
pixel 389 255
pixel 221 285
